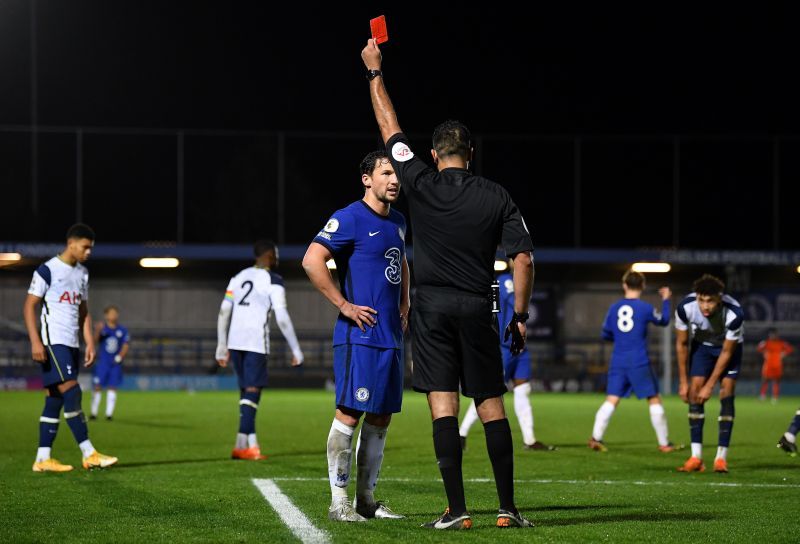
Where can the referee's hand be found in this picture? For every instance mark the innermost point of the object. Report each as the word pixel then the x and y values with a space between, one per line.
pixel 362 315
pixel 518 331
pixel 371 55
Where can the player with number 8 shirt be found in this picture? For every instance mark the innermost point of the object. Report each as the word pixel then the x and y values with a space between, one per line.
pixel 629 369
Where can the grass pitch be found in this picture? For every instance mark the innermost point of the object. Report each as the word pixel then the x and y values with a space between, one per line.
pixel 176 483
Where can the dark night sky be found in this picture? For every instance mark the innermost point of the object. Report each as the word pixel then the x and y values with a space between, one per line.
pixel 242 65
pixel 232 65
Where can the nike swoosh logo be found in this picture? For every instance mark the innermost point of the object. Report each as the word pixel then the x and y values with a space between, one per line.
pixel 374 233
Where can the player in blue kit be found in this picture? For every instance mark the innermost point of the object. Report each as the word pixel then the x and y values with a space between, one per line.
pixel 629 369
pixel 715 323
pixel 517 370
pixel 367 241
pixel 114 341
pixel 61 286
pixel 788 442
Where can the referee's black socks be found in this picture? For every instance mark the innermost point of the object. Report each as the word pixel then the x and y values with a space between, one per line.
pixel 447 445
pixel 501 454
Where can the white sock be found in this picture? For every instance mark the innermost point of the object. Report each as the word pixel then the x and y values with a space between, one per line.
pixel 241 441
pixel 369 457
pixel 469 419
pixel 602 419
pixel 111 402
pixel 697 450
pixel 722 453
pixel 522 407
pixel 340 453
pixel 97 396
pixel 791 438
pixel 659 420
pixel 86 448
pixel 42 454
pixel 252 441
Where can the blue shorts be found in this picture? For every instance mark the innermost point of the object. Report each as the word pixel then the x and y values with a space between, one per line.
pixel 250 367
pixel 63 364
pixel 107 374
pixel 624 379
pixel 516 367
pixel 368 379
pixel 704 358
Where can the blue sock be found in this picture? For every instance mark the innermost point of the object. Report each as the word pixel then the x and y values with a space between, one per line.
pixel 696 419
pixel 73 414
pixel 48 423
pixel 247 411
pixel 795 426
pixel 726 413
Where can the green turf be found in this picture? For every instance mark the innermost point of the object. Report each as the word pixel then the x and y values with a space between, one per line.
pixel 175 482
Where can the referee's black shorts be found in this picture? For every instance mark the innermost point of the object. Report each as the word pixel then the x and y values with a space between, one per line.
pixel 455 341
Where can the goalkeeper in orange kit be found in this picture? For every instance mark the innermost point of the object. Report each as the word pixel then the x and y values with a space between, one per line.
pixel 773 349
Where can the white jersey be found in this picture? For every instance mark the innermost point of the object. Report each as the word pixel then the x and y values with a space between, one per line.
pixel 62 288
pixel 253 293
pixel 727 323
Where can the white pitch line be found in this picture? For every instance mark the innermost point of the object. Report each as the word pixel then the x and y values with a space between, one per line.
pixel 568 482
pixel 292 516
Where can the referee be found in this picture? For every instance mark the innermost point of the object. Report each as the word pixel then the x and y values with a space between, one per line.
pixel 458 220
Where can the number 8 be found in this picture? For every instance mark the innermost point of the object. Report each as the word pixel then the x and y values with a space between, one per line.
pixel 625 318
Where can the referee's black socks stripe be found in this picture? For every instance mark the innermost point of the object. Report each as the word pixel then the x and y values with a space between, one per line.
pixel 501 454
pixel 447 445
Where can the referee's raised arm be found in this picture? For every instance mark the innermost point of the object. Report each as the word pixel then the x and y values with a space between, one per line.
pixel 381 103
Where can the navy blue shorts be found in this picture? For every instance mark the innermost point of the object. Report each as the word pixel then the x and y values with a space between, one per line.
pixel 62 365
pixel 250 367
pixel 639 379
pixel 107 374
pixel 704 358
pixel 516 367
pixel 368 379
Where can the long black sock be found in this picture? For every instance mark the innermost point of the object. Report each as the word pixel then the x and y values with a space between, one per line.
pixel 501 454
pixel 447 445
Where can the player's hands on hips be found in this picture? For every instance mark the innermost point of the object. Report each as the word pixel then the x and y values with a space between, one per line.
pixel 404 316
pixel 362 315
pixel 371 55
pixel 89 356
pixel 704 394
pixel 683 392
pixel 665 292
pixel 38 352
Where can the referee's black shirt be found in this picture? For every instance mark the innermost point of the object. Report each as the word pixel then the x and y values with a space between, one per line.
pixel 458 220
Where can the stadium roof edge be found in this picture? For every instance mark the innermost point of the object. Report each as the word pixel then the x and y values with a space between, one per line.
pixel 243 252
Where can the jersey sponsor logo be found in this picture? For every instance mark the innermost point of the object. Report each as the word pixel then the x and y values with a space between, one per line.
pixel 70 298
pixel 371 234
pixel 401 152
pixel 509 285
pixel 332 225
pixel 362 394
pixel 323 234
pixel 392 272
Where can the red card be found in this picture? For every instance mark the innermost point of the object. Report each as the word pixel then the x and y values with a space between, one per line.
pixel 378 28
